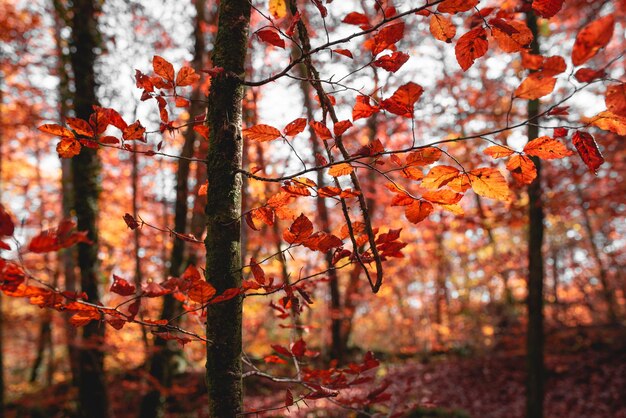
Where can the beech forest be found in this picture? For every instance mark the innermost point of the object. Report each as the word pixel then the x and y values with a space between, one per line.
pixel 313 208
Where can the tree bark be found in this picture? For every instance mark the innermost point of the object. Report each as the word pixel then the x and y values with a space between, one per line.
pixel 535 334
pixel 93 402
pixel 223 209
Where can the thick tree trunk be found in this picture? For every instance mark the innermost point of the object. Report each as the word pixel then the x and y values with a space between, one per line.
pixel 535 336
pixel 162 362
pixel 223 209
pixel 85 171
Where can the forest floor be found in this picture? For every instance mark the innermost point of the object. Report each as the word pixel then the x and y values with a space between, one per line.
pixel 586 378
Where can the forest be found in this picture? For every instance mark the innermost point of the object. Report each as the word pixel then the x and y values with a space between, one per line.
pixel 313 208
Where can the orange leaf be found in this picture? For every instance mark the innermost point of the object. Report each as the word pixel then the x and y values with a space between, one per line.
pixel 442 28
pixel 547 148
pixel 615 99
pixel 278 8
pixel 340 127
pixel 84 317
pixel 498 151
pixel 535 86
pixel 294 127
pixel 321 130
pixel 489 182
pixel 424 156
pixel 547 8
pixel 186 77
pixel 261 133
pixel 57 130
pixel 418 211
pixel 508 40
pixel 588 150
pixel 201 291
pixel 471 46
pixel 610 122
pixel 442 196
pixel 203 130
pixel 163 68
pixel 300 229
pixel 456 6
pixel 342 169
pixel 402 101
pixel 522 169
pixel 81 127
pixel 593 37
pixel 68 147
pixel 363 109
pixel 439 176
pixel 134 131
pixel 328 191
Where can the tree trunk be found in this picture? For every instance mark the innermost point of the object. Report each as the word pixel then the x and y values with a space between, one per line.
pixel 223 209
pixel 162 362
pixel 93 401
pixel 535 336
pixel 1 296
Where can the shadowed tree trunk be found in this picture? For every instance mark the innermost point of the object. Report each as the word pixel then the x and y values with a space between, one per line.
pixel 93 402
pixel 162 362
pixel 535 336
pixel 223 209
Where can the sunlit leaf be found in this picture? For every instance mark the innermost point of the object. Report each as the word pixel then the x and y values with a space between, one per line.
pixel 547 148
pixel 489 182
pixel 470 47
pixel 442 28
pixel 261 133
pixel 593 37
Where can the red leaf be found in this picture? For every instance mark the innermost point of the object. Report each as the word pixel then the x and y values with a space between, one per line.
pixel 588 150
pixel 363 109
pixel 340 127
pixel 593 37
pixel 355 18
pixel 186 77
pixel 130 221
pixel 402 101
pixel 203 130
pixel 587 75
pixel 298 348
pixel 393 62
pixel 299 230
pixel 163 68
pixel 288 398
pixel 344 52
pixel 456 6
pixel 615 99
pixel 387 37
pixel 257 271
pixel 7 227
pixel 261 133
pixel 122 287
pixel 271 37
pixel 81 127
pixel 470 47
pixel 295 127
pixel 321 130
pixel 547 8
pixel 134 131
pixel 201 291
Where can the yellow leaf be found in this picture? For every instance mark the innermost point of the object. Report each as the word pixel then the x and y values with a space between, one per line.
pixel 610 122
pixel 278 8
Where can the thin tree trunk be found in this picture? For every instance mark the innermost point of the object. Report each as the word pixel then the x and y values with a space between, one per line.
pixel 93 402
pixel 535 337
pixel 162 364
pixel 223 209
pixel 1 296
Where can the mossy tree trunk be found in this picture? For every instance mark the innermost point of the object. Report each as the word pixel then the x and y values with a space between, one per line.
pixel 85 38
pixel 223 209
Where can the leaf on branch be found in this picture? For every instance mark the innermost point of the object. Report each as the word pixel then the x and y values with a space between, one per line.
pixel 134 131
pixel 130 221
pixel 424 156
pixel 57 130
pixel 261 133
pixel 615 99
pixel 81 127
pixel 186 77
pixel 418 211
pixel 340 127
pixel 387 37
pixel 122 287
pixel 393 62
pixel 342 169
pixel 442 28
pixel 439 176
pixel 68 147
pixel 201 291
pixel 456 6
pixel 257 272
pixel 82 318
pixel 163 68
pixel 278 8
pixel 547 148
pixel 534 86
pixel 56 238
pixel 498 151
pixel 321 130
pixel 593 37
pixel 522 169
pixel 547 8
pixel 442 196
pixel 363 109
pixel 344 52
pixel 300 229
pixel 511 36
pixel 7 227
pixel 271 37
pixel 489 182
pixel 294 127
pixel 588 150
pixel 470 47
pixel 403 100
pixel 610 122
pixel 355 18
